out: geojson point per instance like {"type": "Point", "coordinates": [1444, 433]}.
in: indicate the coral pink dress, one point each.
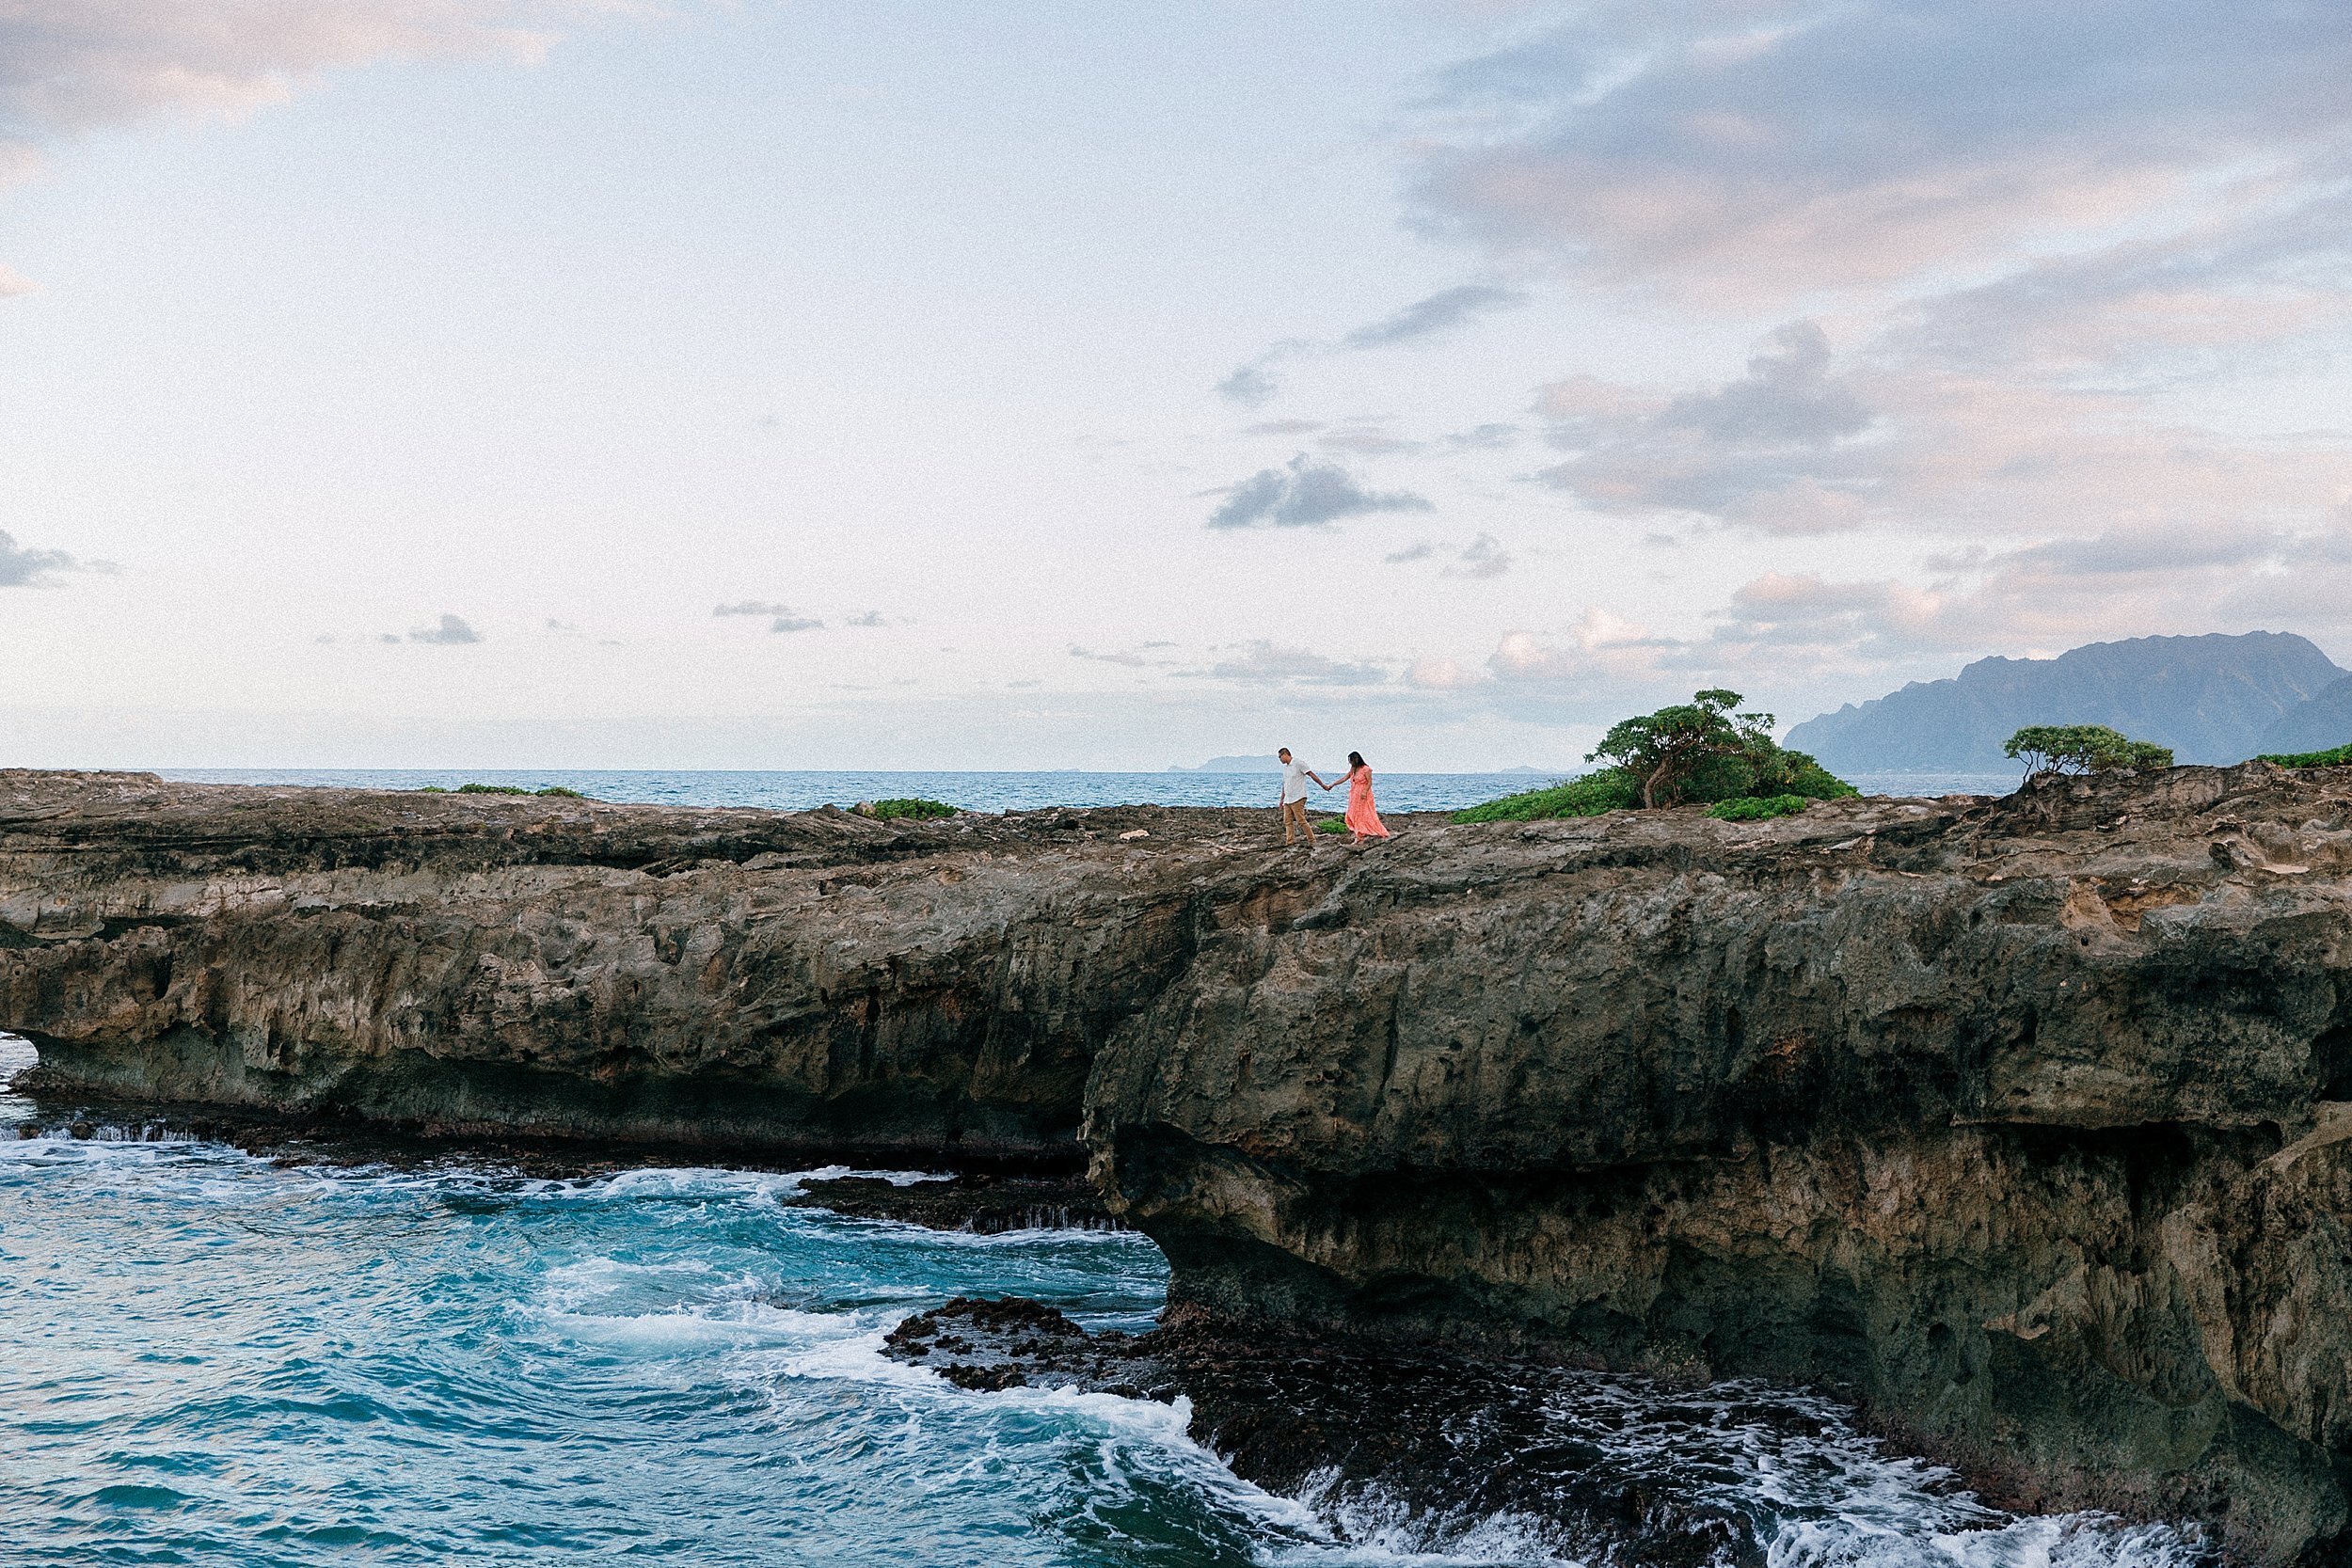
{"type": "Point", "coordinates": [1361, 819]}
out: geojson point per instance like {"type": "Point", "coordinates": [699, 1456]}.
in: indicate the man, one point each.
{"type": "Point", "coordinates": [1295, 777]}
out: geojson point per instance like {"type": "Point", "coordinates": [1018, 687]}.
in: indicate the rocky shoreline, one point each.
{"type": "Point", "coordinates": [2025, 1123]}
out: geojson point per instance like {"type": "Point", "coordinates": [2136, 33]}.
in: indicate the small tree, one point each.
{"type": "Point", "coordinates": [2082, 748]}
{"type": "Point", "coordinates": [1663, 750]}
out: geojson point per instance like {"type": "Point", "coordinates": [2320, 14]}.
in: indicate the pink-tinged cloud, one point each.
{"type": "Point", "coordinates": [1766, 151]}
{"type": "Point", "coordinates": [69, 66]}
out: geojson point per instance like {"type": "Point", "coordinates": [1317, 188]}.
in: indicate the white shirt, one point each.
{"type": "Point", "coordinates": [1294, 781]}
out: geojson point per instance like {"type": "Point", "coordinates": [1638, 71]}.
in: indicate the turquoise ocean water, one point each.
{"type": "Point", "coordinates": [212, 1358]}
{"type": "Point", "coordinates": [215, 1359]}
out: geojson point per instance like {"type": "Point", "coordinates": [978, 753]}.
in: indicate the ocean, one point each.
{"type": "Point", "coordinates": [990, 792]}
{"type": "Point", "coordinates": [218, 1359]}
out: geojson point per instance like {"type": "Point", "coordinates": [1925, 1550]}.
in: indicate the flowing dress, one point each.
{"type": "Point", "coordinates": [1361, 819]}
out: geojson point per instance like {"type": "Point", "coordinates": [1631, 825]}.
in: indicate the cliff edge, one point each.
{"type": "Point", "coordinates": [2027, 1123]}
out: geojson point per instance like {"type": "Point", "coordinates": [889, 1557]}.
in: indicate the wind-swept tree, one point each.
{"type": "Point", "coordinates": [2082, 748]}
{"type": "Point", "coordinates": [1666, 750]}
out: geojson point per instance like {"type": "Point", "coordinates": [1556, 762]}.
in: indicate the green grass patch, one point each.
{"type": "Point", "coordinates": [912, 806]}
{"type": "Point", "coordinates": [1758, 808]}
{"type": "Point", "coordinates": [1611, 789]}
{"type": "Point", "coordinates": [2339, 756]}
{"type": "Point", "coordinates": [1331, 825]}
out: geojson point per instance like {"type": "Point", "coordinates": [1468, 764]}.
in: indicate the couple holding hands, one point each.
{"type": "Point", "coordinates": [1362, 822]}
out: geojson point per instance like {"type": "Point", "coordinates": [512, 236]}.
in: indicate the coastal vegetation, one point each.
{"type": "Point", "coordinates": [912, 806]}
{"type": "Point", "coordinates": [1699, 752]}
{"type": "Point", "coordinates": [1758, 808]}
{"type": "Point", "coordinates": [2335, 756]}
{"type": "Point", "coordinates": [2081, 749]}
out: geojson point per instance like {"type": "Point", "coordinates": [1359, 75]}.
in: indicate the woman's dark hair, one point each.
{"type": "Point", "coordinates": [1354, 759]}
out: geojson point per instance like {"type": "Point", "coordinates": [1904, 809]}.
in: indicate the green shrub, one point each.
{"type": "Point", "coordinates": [1758, 808]}
{"type": "Point", "coordinates": [558, 791]}
{"type": "Point", "coordinates": [1331, 825]}
{"type": "Point", "coordinates": [2339, 756]}
{"type": "Point", "coordinates": [910, 806]}
{"type": "Point", "coordinates": [2082, 748]}
{"type": "Point", "coordinates": [1611, 789]}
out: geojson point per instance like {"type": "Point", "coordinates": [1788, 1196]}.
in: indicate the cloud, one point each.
{"type": "Point", "coordinates": [1483, 557]}
{"type": "Point", "coordinates": [450, 632]}
{"type": "Point", "coordinates": [1766, 149]}
{"type": "Point", "coordinates": [1306, 494]}
{"type": "Point", "coordinates": [1599, 646]}
{"type": "Point", "coordinates": [14, 285]}
{"type": "Point", "coordinates": [1772, 433]}
{"type": "Point", "coordinates": [1254, 384]}
{"type": "Point", "coordinates": [24, 567]}
{"type": "Point", "coordinates": [1786, 399]}
{"type": "Point", "coordinates": [1439, 675]}
{"type": "Point", "coordinates": [1283, 427]}
{"type": "Point", "coordinates": [1441, 312]}
{"type": "Point", "coordinates": [781, 616]}
{"type": "Point", "coordinates": [871, 618]}
{"type": "Point", "coordinates": [1131, 658]}
{"type": "Point", "coordinates": [1367, 438]}
{"type": "Point", "coordinates": [1263, 662]}
{"type": "Point", "coordinates": [1251, 385]}
{"type": "Point", "coordinates": [68, 66]}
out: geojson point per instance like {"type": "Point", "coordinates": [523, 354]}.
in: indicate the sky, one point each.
{"type": "Point", "coordinates": [1054, 383]}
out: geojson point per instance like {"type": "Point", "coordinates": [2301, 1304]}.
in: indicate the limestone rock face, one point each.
{"type": "Point", "coordinates": [2022, 1121]}
{"type": "Point", "coordinates": [2027, 1123]}
{"type": "Point", "coordinates": [734, 978]}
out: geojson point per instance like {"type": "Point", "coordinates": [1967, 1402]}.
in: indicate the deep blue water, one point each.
{"type": "Point", "coordinates": [1398, 792]}
{"type": "Point", "coordinates": [215, 1360]}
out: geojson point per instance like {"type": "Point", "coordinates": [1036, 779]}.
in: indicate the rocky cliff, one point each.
{"type": "Point", "coordinates": [2027, 1123]}
{"type": "Point", "coordinates": [814, 982]}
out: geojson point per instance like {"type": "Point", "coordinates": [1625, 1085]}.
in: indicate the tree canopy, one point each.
{"type": "Point", "coordinates": [2082, 748]}
{"type": "Point", "coordinates": [1699, 751]}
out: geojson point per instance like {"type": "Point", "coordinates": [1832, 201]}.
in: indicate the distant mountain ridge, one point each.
{"type": "Point", "coordinates": [2213, 699]}
{"type": "Point", "coordinates": [2320, 724]}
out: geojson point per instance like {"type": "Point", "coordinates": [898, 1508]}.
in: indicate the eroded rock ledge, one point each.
{"type": "Point", "coordinates": [2025, 1122]}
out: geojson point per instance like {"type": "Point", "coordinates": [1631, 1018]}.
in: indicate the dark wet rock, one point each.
{"type": "Point", "coordinates": [984, 1203]}
{"type": "Point", "coordinates": [1421, 1445]}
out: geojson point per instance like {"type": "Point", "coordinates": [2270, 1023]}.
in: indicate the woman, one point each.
{"type": "Point", "coordinates": [1362, 822]}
